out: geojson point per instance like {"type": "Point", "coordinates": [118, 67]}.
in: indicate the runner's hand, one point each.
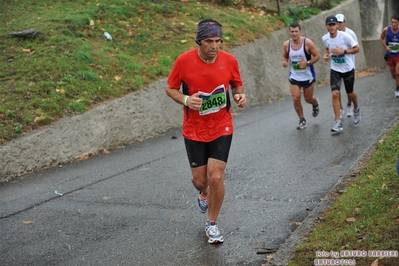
{"type": "Point", "coordinates": [327, 57]}
{"type": "Point", "coordinates": [194, 101]}
{"type": "Point", "coordinates": [240, 99]}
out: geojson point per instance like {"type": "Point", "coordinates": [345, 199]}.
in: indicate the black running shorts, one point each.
{"type": "Point", "coordinates": [199, 152]}
{"type": "Point", "coordinates": [301, 84]}
{"type": "Point", "coordinates": [336, 80]}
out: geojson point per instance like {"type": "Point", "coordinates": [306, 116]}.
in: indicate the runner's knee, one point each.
{"type": "Point", "coordinates": [199, 183]}
{"type": "Point", "coordinates": [216, 179]}
{"type": "Point", "coordinates": [309, 98]}
{"type": "Point", "coordinates": [335, 94]}
{"type": "Point", "coordinates": [296, 98]}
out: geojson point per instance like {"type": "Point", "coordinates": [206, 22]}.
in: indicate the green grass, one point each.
{"type": "Point", "coordinates": [72, 67]}
{"type": "Point", "coordinates": [366, 216]}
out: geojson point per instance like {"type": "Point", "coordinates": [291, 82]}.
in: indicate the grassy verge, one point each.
{"type": "Point", "coordinates": [72, 67]}
{"type": "Point", "coordinates": [365, 217]}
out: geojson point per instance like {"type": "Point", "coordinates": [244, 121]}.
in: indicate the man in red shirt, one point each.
{"type": "Point", "coordinates": [205, 76]}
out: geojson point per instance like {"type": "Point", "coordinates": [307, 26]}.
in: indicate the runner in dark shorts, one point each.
{"type": "Point", "coordinates": [207, 81]}
{"type": "Point", "coordinates": [299, 54]}
{"type": "Point", "coordinates": [340, 49]}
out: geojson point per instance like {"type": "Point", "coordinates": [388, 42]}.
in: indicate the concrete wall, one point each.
{"type": "Point", "coordinates": [149, 112]}
{"type": "Point", "coordinates": [376, 10]}
{"type": "Point", "coordinates": [376, 14]}
{"type": "Point", "coordinates": [392, 8]}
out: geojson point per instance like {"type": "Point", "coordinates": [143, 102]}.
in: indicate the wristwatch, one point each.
{"type": "Point", "coordinates": [345, 51]}
{"type": "Point", "coordinates": [308, 63]}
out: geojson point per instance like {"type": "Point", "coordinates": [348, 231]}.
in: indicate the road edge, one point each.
{"type": "Point", "coordinates": [285, 252]}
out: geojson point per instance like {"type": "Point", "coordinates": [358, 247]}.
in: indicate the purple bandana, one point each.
{"type": "Point", "coordinates": [209, 30]}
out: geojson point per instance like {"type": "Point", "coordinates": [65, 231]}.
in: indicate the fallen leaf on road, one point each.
{"type": "Point", "coordinates": [105, 151]}
{"type": "Point", "coordinates": [87, 156]}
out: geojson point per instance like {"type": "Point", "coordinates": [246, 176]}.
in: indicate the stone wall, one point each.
{"type": "Point", "coordinates": [374, 19]}
{"type": "Point", "coordinates": [149, 112]}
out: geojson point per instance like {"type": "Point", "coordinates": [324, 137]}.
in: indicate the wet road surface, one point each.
{"type": "Point", "coordinates": [137, 206]}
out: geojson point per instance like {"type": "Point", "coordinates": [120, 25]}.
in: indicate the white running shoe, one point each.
{"type": "Point", "coordinates": [213, 233]}
{"type": "Point", "coordinates": [337, 127]}
{"type": "Point", "coordinates": [349, 111]}
{"type": "Point", "coordinates": [396, 94]}
{"type": "Point", "coordinates": [356, 115]}
{"type": "Point", "coordinates": [301, 124]}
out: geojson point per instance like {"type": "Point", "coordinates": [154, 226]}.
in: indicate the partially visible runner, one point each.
{"type": "Point", "coordinates": [340, 48]}
{"type": "Point", "coordinates": [390, 40]}
{"type": "Point", "coordinates": [397, 167]}
{"type": "Point", "coordinates": [300, 53]}
{"type": "Point", "coordinates": [342, 27]}
{"type": "Point", "coordinates": [206, 75]}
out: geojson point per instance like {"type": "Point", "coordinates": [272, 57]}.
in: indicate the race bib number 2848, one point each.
{"type": "Point", "coordinates": [214, 101]}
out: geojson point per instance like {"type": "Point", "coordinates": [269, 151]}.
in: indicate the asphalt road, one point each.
{"type": "Point", "coordinates": [137, 206]}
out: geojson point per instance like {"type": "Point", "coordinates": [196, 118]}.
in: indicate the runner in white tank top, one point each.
{"type": "Point", "coordinates": [296, 72]}
{"type": "Point", "coordinates": [300, 54]}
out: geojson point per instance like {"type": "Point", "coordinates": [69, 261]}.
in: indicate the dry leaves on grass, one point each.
{"type": "Point", "coordinates": [29, 51]}
{"type": "Point", "coordinates": [132, 32]}
{"type": "Point", "coordinates": [38, 119]}
{"type": "Point", "coordinates": [350, 219]}
{"type": "Point", "coordinates": [375, 263]}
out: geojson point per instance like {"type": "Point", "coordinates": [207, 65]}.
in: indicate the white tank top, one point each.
{"type": "Point", "coordinates": [295, 56]}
